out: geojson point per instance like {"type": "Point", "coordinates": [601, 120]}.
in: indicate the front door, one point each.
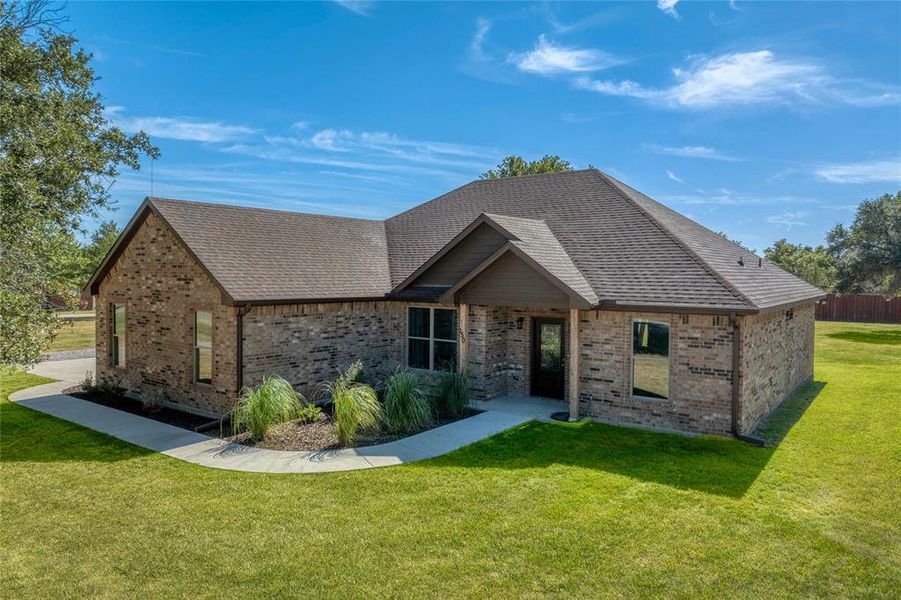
{"type": "Point", "coordinates": [547, 358]}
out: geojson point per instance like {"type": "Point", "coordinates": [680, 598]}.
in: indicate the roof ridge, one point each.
{"type": "Point", "coordinates": [688, 250]}
{"type": "Point", "coordinates": [527, 175]}
{"type": "Point", "coordinates": [155, 199]}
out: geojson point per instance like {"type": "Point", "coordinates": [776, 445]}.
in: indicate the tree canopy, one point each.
{"type": "Point", "coordinates": [815, 265]}
{"type": "Point", "coordinates": [58, 158]}
{"type": "Point", "coordinates": [868, 254]}
{"type": "Point", "coordinates": [514, 166]}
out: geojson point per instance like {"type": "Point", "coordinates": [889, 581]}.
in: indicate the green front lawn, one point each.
{"type": "Point", "coordinates": [545, 509]}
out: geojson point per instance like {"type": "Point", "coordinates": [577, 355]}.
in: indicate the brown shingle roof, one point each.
{"type": "Point", "coordinates": [268, 255]}
{"type": "Point", "coordinates": [601, 237]}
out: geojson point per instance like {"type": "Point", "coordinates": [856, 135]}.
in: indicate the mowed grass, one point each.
{"type": "Point", "coordinates": [542, 510]}
{"type": "Point", "coordinates": [73, 335]}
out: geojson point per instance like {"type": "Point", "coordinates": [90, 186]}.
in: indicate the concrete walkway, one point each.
{"type": "Point", "coordinates": [213, 452]}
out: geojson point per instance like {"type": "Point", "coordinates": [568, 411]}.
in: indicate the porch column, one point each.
{"type": "Point", "coordinates": [574, 364]}
{"type": "Point", "coordinates": [462, 337]}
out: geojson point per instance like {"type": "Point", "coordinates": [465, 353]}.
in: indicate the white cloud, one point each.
{"type": "Point", "coordinates": [548, 58]}
{"type": "Point", "coordinates": [788, 219]}
{"type": "Point", "coordinates": [669, 7]}
{"type": "Point", "coordinates": [361, 7]}
{"type": "Point", "coordinates": [749, 78]}
{"type": "Point", "coordinates": [178, 128]}
{"type": "Point", "coordinates": [477, 45]}
{"type": "Point", "coordinates": [689, 152]}
{"type": "Point", "coordinates": [673, 176]}
{"type": "Point", "coordinates": [300, 125]}
{"type": "Point", "coordinates": [878, 171]}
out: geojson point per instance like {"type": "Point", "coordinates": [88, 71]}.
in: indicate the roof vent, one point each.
{"type": "Point", "coordinates": [741, 260]}
{"type": "Point", "coordinates": [759, 262]}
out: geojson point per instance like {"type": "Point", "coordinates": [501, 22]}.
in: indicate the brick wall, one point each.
{"type": "Point", "coordinates": [500, 350]}
{"type": "Point", "coordinates": [307, 344]}
{"type": "Point", "coordinates": [161, 287]}
{"type": "Point", "coordinates": [700, 372]}
{"type": "Point", "coordinates": [776, 357]}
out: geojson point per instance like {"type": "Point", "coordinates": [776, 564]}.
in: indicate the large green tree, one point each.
{"type": "Point", "coordinates": [58, 158]}
{"type": "Point", "coordinates": [868, 254]}
{"type": "Point", "coordinates": [815, 265]}
{"type": "Point", "coordinates": [513, 166]}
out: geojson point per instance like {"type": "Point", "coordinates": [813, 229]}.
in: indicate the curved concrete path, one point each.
{"type": "Point", "coordinates": [212, 452]}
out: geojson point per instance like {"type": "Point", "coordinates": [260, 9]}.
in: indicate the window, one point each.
{"type": "Point", "coordinates": [432, 338]}
{"type": "Point", "coordinates": [203, 347]}
{"type": "Point", "coordinates": [117, 335]}
{"type": "Point", "coordinates": [650, 359]}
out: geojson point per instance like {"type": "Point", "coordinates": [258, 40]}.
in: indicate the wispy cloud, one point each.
{"type": "Point", "coordinates": [749, 78]}
{"type": "Point", "coordinates": [877, 171]}
{"type": "Point", "coordinates": [788, 219]}
{"type": "Point", "coordinates": [689, 152]}
{"type": "Point", "coordinates": [673, 176]}
{"type": "Point", "coordinates": [726, 197]}
{"type": "Point", "coordinates": [158, 48]}
{"type": "Point", "coordinates": [477, 45]}
{"type": "Point", "coordinates": [548, 58]}
{"type": "Point", "coordinates": [178, 128]}
{"type": "Point", "coordinates": [595, 19]}
{"type": "Point", "coordinates": [669, 7]}
{"type": "Point", "coordinates": [361, 7]}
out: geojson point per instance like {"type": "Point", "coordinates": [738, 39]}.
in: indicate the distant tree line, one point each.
{"type": "Point", "coordinates": [862, 258]}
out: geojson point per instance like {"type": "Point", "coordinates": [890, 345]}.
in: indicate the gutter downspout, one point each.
{"type": "Point", "coordinates": [736, 375]}
{"type": "Point", "coordinates": [239, 347]}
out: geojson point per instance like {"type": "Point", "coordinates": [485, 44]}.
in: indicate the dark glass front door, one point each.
{"type": "Point", "coordinates": [547, 358]}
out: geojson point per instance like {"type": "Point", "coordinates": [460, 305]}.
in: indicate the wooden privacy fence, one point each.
{"type": "Point", "coordinates": [859, 308]}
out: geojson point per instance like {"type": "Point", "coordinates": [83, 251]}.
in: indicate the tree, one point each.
{"type": "Point", "coordinates": [101, 241]}
{"type": "Point", "coordinates": [868, 254]}
{"type": "Point", "coordinates": [815, 265]}
{"type": "Point", "coordinates": [514, 166]}
{"type": "Point", "coordinates": [58, 158]}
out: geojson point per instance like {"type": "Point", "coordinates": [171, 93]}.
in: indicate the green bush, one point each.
{"type": "Point", "coordinates": [309, 413]}
{"type": "Point", "coordinates": [406, 407]}
{"type": "Point", "coordinates": [452, 394]}
{"type": "Point", "coordinates": [259, 408]}
{"type": "Point", "coordinates": [356, 405]}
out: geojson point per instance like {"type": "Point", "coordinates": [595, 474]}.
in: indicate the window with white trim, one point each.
{"type": "Point", "coordinates": [203, 347]}
{"type": "Point", "coordinates": [650, 359]}
{"type": "Point", "coordinates": [432, 338]}
{"type": "Point", "coordinates": [117, 335]}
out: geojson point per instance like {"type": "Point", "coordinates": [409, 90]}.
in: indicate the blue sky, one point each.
{"type": "Point", "coordinates": [764, 120]}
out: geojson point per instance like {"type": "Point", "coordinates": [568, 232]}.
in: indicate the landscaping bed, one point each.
{"type": "Point", "coordinates": [320, 434]}
{"type": "Point", "coordinates": [163, 414]}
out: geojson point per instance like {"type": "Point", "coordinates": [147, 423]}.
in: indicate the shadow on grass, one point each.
{"type": "Point", "coordinates": [708, 464]}
{"type": "Point", "coordinates": [774, 429]}
{"type": "Point", "coordinates": [30, 436]}
{"type": "Point", "coordinates": [881, 336]}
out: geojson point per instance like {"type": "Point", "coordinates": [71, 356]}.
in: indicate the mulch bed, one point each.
{"type": "Point", "coordinates": [162, 414]}
{"type": "Point", "coordinates": [321, 435]}
{"type": "Point", "coordinates": [293, 435]}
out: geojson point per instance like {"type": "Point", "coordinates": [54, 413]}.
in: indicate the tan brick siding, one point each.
{"type": "Point", "coordinates": [307, 344]}
{"type": "Point", "coordinates": [776, 358]}
{"type": "Point", "coordinates": [500, 351]}
{"type": "Point", "coordinates": [700, 385]}
{"type": "Point", "coordinates": [161, 287]}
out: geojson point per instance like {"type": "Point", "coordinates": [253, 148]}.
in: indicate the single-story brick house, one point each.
{"type": "Point", "coordinates": [571, 285]}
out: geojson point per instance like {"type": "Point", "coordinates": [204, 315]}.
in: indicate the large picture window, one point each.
{"type": "Point", "coordinates": [650, 359]}
{"type": "Point", "coordinates": [432, 338]}
{"type": "Point", "coordinates": [203, 347]}
{"type": "Point", "coordinates": [117, 335]}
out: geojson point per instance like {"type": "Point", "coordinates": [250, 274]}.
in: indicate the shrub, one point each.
{"type": "Point", "coordinates": [452, 394]}
{"type": "Point", "coordinates": [309, 413]}
{"type": "Point", "coordinates": [356, 405]}
{"type": "Point", "coordinates": [405, 406]}
{"type": "Point", "coordinates": [259, 408]}
{"type": "Point", "coordinates": [87, 384]}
